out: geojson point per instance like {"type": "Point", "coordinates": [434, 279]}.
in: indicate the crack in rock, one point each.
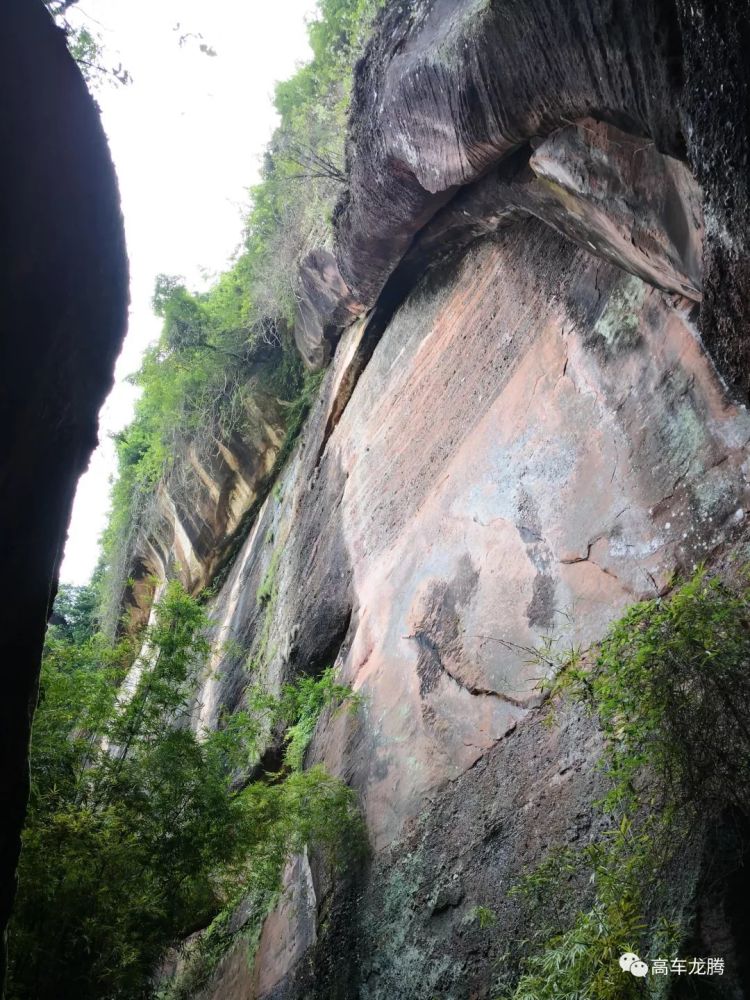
{"type": "Point", "coordinates": [431, 667]}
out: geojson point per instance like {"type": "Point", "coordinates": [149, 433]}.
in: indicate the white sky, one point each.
{"type": "Point", "coordinates": [187, 137]}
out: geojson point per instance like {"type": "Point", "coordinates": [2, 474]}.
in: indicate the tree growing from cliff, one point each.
{"type": "Point", "coordinates": [139, 832]}
{"type": "Point", "coordinates": [85, 45]}
{"type": "Point", "coordinates": [188, 326]}
{"type": "Point", "coordinates": [201, 381]}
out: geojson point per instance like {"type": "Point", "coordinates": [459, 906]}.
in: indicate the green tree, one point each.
{"type": "Point", "coordinates": [139, 832]}
{"type": "Point", "coordinates": [74, 611]}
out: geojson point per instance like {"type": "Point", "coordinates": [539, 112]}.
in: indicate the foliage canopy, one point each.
{"type": "Point", "coordinates": [141, 831]}
{"type": "Point", "coordinates": [669, 686]}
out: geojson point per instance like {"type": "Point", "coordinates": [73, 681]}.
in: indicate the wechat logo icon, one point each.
{"type": "Point", "coordinates": [629, 962]}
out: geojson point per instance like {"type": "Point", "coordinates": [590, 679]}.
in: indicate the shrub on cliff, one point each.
{"type": "Point", "coordinates": [139, 831]}
{"type": "Point", "coordinates": [196, 381]}
{"type": "Point", "coordinates": [670, 688]}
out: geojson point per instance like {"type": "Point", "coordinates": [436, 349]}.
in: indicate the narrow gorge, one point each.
{"type": "Point", "coordinates": [509, 404]}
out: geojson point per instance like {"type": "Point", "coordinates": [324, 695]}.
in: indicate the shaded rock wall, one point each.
{"type": "Point", "coordinates": [196, 511]}
{"type": "Point", "coordinates": [63, 302]}
{"type": "Point", "coordinates": [324, 307]}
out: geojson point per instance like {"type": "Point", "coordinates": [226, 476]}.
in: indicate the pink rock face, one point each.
{"type": "Point", "coordinates": [537, 441]}
{"type": "Point", "coordinates": [617, 196]}
{"type": "Point", "coordinates": [484, 513]}
{"type": "Point", "coordinates": [288, 932]}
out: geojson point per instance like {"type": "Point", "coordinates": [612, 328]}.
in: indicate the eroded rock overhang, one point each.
{"type": "Point", "coordinates": [448, 93]}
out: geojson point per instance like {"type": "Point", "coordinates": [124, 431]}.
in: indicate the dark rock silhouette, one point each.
{"type": "Point", "coordinates": [63, 307]}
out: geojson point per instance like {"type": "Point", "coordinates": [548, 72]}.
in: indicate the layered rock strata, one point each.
{"type": "Point", "coordinates": [191, 521]}
{"type": "Point", "coordinates": [447, 91]}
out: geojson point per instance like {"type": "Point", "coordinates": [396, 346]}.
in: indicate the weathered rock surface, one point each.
{"type": "Point", "coordinates": [196, 512]}
{"type": "Point", "coordinates": [548, 217]}
{"type": "Point", "coordinates": [537, 440]}
{"type": "Point", "coordinates": [447, 90]}
{"type": "Point", "coordinates": [63, 301]}
{"type": "Point", "coordinates": [325, 306]}
{"type": "Point", "coordinates": [617, 196]}
{"type": "Point", "coordinates": [613, 194]}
